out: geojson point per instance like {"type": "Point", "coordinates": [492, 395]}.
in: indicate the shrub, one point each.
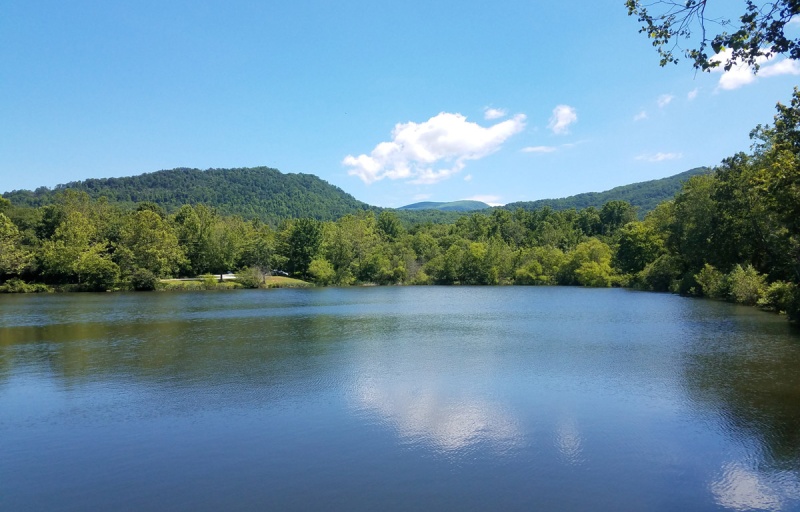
{"type": "Point", "coordinates": [19, 286]}
{"type": "Point", "coordinates": [209, 282]}
{"type": "Point", "coordinates": [660, 275]}
{"type": "Point", "coordinates": [251, 277]}
{"type": "Point", "coordinates": [321, 271]}
{"type": "Point", "coordinates": [594, 274]}
{"type": "Point", "coordinates": [713, 283]}
{"type": "Point", "coordinates": [777, 296]}
{"type": "Point", "coordinates": [142, 280]}
{"type": "Point", "coordinates": [746, 285]}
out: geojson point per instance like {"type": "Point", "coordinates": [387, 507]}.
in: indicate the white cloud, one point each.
{"type": "Point", "coordinates": [435, 150]}
{"type": "Point", "coordinates": [494, 113]}
{"type": "Point", "coordinates": [784, 67]}
{"type": "Point", "coordinates": [563, 116]}
{"type": "Point", "coordinates": [692, 94]}
{"type": "Point", "coordinates": [641, 115]}
{"type": "Point", "coordinates": [659, 157]}
{"type": "Point", "coordinates": [468, 177]}
{"type": "Point", "coordinates": [539, 149]}
{"type": "Point", "coordinates": [664, 100]}
{"type": "Point", "coordinates": [488, 199]}
{"type": "Point", "coordinates": [741, 74]}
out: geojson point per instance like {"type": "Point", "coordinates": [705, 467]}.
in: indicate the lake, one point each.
{"type": "Point", "coordinates": [396, 398]}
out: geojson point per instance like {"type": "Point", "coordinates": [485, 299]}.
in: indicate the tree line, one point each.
{"type": "Point", "coordinates": [732, 234]}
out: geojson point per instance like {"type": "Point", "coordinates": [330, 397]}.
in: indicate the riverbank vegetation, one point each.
{"type": "Point", "coordinates": [732, 234]}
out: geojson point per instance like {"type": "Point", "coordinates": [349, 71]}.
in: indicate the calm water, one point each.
{"type": "Point", "coordinates": [419, 398]}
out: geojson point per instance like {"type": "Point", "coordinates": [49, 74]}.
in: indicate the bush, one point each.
{"type": "Point", "coordinates": [19, 286]}
{"type": "Point", "coordinates": [209, 282]}
{"type": "Point", "coordinates": [660, 275]}
{"type": "Point", "coordinates": [746, 285]}
{"type": "Point", "coordinates": [321, 271]}
{"type": "Point", "coordinates": [251, 277]}
{"type": "Point", "coordinates": [97, 273]}
{"type": "Point", "coordinates": [713, 283]}
{"type": "Point", "coordinates": [777, 297]}
{"type": "Point", "coordinates": [594, 274]}
{"type": "Point", "coordinates": [142, 280]}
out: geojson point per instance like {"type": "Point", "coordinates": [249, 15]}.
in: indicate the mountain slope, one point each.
{"type": "Point", "coordinates": [259, 192]}
{"type": "Point", "coordinates": [452, 206]}
{"type": "Point", "coordinates": [644, 195]}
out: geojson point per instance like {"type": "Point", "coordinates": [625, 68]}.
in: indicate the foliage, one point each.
{"type": "Point", "coordinates": [17, 285]}
{"type": "Point", "coordinates": [713, 283]}
{"type": "Point", "coordinates": [644, 196]}
{"type": "Point", "coordinates": [260, 192]}
{"type": "Point", "coordinates": [143, 280]}
{"type": "Point", "coordinates": [761, 31]}
{"type": "Point", "coordinates": [778, 296]}
{"type": "Point", "coordinates": [321, 271]}
{"type": "Point", "coordinates": [251, 277]}
{"type": "Point", "coordinates": [303, 239]}
{"type": "Point", "coordinates": [746, 285]}
{"type": "Point", "coordinates": [96, 272]}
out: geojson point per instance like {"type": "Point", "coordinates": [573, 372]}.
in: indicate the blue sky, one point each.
{"type": "Point", "coordinates": [393, 102]}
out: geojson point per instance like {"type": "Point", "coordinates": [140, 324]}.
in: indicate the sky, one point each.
{"type": "Point", "coordinates": [393, 102]}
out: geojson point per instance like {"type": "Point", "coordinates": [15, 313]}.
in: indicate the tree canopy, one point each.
{"type": "Point", "coordinates": [759, 32]}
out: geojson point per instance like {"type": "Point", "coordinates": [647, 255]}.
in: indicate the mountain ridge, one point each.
{"type": "Point", "coordinates": [270, 195]}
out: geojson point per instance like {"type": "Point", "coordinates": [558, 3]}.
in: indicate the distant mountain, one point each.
{"type": "Point", "coordinates": [452, 206]}
{"type": "Point", "coordinates": [269, 195]}
{"type": "Point", "coordinates": [644, 195]}
{"type": "Point", "coordinates": [259, 192]}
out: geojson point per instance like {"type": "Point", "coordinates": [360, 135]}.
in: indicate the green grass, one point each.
{"type": "Point", "coordinates": [213, 283]}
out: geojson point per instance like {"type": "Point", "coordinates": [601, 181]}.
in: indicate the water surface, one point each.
{"type": "Point", "coordinates": [423, 398]}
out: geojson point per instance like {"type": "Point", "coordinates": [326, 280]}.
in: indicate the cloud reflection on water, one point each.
{"type": "Point", "coordinates": [444, 419]}
{"type": "Point", "coordinates": [741, 488]}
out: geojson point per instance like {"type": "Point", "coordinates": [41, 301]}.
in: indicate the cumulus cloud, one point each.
{"type": "Point", "coordinates": [741, 74]}
{"type": "Point", "coordinates": [432, 151]}
{"type": "Point", "coordinates": [494, 113]}
{"type": "Point", "coordinates": [664, 100]}
{"type": "Point", "coordinates": [563, 116]}
{"type": "Point", "coordinates": [692, 94]}
{"type": "Point", "coordinates": [468, 177]}
{"type": "Point", "coordinates": [539, 149]}
{"type": "Point", "coordinates": [641, 115]}
{"type": "Point", "coordinates": [659, 157]}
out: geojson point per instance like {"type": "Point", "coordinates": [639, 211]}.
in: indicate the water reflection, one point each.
{"type": "Point", "coordinates": [569, 441]}
{"type": "Point", "coordinates": [445, 421]}
{"type": "Point", "coordinates": [743, 368]}
{"type": "Point", "coordinates": [740, 488]}
{"type": "Point", "coordinates": [528, 398]}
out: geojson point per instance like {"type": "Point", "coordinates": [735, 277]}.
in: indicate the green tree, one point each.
{"type": "Point", "coordinates": [148, 242]}
{"type": "Point", "coordinates": [321, 271]}
{"type": "Point", "coordinates": [194, 227]}
{"type": "Point", "coordinates": [638, 245]}
{"type": "Point", "coordinates": [588, 265]}
{"type": "Point", "coordinates": [761, 31]}
{"type": "Point", "coordinates": [303, 245]}
{"type": "Point", "coordinates": [58, 256]}
{"type": "Point", "coordinates": [615, 214]}
{"type": "Point", "coordinates": [96, 272]}
{"type": "Point", "coordinates": [13, 258]}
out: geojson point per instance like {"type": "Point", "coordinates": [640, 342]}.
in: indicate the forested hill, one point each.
{"type": "Point", "coordinates": [258, 192]}
{"type": "Point", "coordinates": [644, 195]}
{"type": "Point", "coordinates": [452, 206]}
